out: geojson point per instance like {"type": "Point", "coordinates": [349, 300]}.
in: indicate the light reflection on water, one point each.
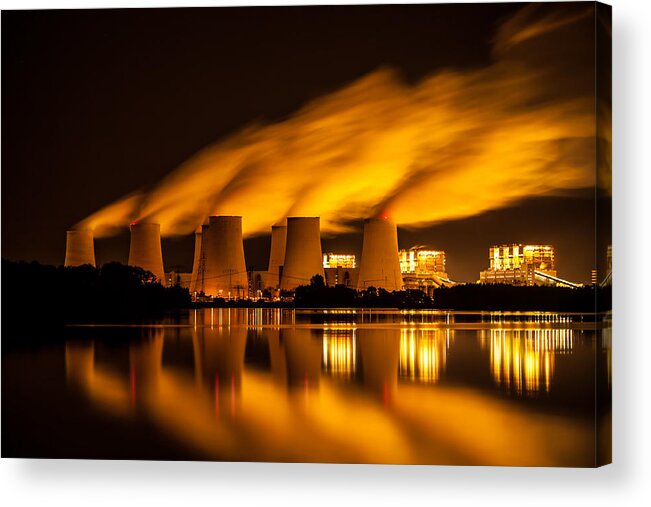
{"type": "Point", "coordinates": [523, 359]}
{"type": "Point", "coordinates": [354, 386]}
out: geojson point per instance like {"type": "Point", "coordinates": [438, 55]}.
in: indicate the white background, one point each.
{"type": "Point", "coordinates": [626, 482]}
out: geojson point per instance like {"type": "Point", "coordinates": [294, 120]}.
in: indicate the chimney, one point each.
{"type": "Point", "coordinates": [277, 254]}
{"type": "Point", "coordinates": [145, 249]}
{"type": "Point", "coordinates": [380, 266]}
{"type": "Point", "coordinates": [79, 248]}
{"type": "Point", "coordinates": [303, 256]}
{"type": "Point", "coordinates": [223, 251]}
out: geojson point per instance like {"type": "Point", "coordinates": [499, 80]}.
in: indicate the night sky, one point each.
{"type": "Point", "coordinates": [101, 103]}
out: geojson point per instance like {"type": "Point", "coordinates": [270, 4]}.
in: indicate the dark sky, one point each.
{"type": "Point", "coordinates": [99, 103]}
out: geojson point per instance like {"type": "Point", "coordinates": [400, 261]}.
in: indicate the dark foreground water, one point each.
{"type": "Point", "coordinates": [345, 386]}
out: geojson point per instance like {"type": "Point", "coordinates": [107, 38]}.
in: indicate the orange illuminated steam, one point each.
{"type": "Point", "coordinates": [453, 145]}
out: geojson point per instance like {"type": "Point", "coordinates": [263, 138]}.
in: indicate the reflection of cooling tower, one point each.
{"type": "Point", "coordinates": [277, 254]}
{"type": "Point", "coordinates": [380, 266]}
{"type": "Point", "coordinates": [145, 250]}
{"type": "Point", "coordinates": [303, 257]}
{"type": "Point", "coordinates": [195, 280]}
{"type": "Point", "coordinates": [379, 351]}
{"type": "Point", "coordinates": [303, 357]}
{"type": "Point", "coordinates": [79, 248]}
{"type": "Point", "coordinates": [225, 267]}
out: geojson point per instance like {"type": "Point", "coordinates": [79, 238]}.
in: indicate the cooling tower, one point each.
{"type": "Point", "coordinates": [224, 265]}
{"type": "Point", "coordinates": [145, 250]}
{"type": "Point", "coordinates": [303, 257]}
{"type": "Point", "coordinates": [277, 254]}
{"type": "Point", "coordinates": [380, 266]}
{"type": "Point", "coordinates": [79, 248]}
{"type": "Point", "coordinates": [197, 269]}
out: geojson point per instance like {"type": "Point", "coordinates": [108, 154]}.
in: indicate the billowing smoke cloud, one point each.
{"type": "Point", "coordinates": [455, 144]}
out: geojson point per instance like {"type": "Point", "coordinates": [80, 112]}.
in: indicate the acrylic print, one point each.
{"type": "Point", "coordinates": [351, 234]}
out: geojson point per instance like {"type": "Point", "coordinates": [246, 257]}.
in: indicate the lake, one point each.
{"type": "Point", "coordinates": [336, 386]}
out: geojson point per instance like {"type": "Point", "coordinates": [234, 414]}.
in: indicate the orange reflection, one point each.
{"type": "Point", "coordinates": [423, 353]}
{"type": "Point", "coordinates": [339, 351]}
{"type": "Point", "coordinates": [523, 359]}
{"type": "Point", "coordinates": [221, 408]}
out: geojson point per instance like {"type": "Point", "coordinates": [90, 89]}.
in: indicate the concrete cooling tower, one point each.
{"type": "Point", "coordinates": [145, 250]}
{"type": "Point", "coordinates": [380, 266]}
{"type": "Point", "coordinates": [277, 254]}
{"type": "Point", "coordinates": [197, 268]}
{"type": "Point", "coordinates": [79, 248]}
{"type": "Point", "coordinates": [224, 265]}
{"type": "Point", "coordinates": [303, 256]}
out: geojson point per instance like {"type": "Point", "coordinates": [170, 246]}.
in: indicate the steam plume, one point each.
{"type": "Point", "coordinates": [455, 144]}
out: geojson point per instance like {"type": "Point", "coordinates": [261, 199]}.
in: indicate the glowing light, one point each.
{"type": "Point", "coordinates": [524, 360]}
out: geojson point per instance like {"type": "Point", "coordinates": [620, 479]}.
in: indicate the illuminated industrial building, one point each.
{"type": "Point", "coordinates": [519, 264]}
{"type": "Point", "coordinates": [423, 269]}
{"type": "Point", "coordinates": [423, 262]}
{"type": "Point", "coordinates": [340, 269]}
{"type": "Point", "coordinates": [334, 260]}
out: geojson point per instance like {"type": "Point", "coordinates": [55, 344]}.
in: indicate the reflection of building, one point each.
{"type": "Point", "coordinates": [516, 264]}
{"type": "Point", "coordinates": [339, 352]}
{"type": "Point", "coordinates": [524, 360]}
{"type": "Point", "coordinates": [423, 353]}
{"type": "Point", "coordinates": [423, 269]}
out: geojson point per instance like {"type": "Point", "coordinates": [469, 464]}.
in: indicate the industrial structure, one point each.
{"type": "Point", "coordinates": [198, 264]}
{"type": "Point", "coordinates": [80, 248]}
{"type": "Point", "coordinates": [336, 260]}
{"type": "Point", "coordinates": [340, 269]}
{"type": "Point", "coordinates": [520, 264]}
{"type": "Point", "coordinates": [303, 256]}
{"type": "Point", "coordinates": [276, 255]}
{"type": "Point", "coordinates": [145, 248]}
{"type": "Point", "coordinates": [380, 265]}
{"type": "Point", "coordinates": [423, 269]}
{"type": "Point", "coordinates": [222, 255]}
{"type": "Point", "coordinates": [219, 267]}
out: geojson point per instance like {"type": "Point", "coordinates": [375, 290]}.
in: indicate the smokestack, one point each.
{"type": "Point", "coordinates": [380, 266]}
{"type": "Point", "coordinates": [277, 254]}
{"type": "Point", "coordinates": [145, 250]}
{"type": "Point", "coordinates": [225, 268]}
{"type": "Point", "coordinates": [303, 256]}
{"type": "Point", "coordinates": [79, 248]}
{"type": "Point", "coordinates": [197, 268]}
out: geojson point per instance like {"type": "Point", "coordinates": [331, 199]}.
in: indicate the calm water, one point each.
{"type": "Point", "coordinates": [329, 386]}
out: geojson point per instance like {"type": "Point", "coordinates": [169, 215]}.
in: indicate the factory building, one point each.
{"type": "Point", "coordinates": [340, 269]}
{"type": "Point", "coordinates": [519, 264]}
{"type": "Point", "coordinates": [423, 269]}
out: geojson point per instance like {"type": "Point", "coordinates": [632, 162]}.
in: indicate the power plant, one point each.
{"type": "Point", "coordinates": [380, 265]}
{"type": "Point", "coordinates": [303, 256]}
{"type": "Point", "coordinates": [224, 271]}
{"type": "Point", "coordinates": [80, 248]}
{"type": "Point", "coordinates": [145, 249]}
{"type": "Point", "coordinates": [219, 268]}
